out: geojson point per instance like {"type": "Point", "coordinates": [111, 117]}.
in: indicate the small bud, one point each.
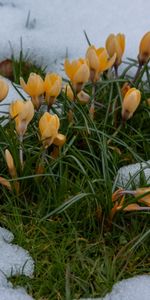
{"type": "Point", "coordinates": [144, 49]}
{"type": "Point", "coordinates": [130, 103]}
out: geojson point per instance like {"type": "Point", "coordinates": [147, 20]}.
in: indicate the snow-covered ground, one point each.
{"type": "Point", "coordinates": [50, 29]}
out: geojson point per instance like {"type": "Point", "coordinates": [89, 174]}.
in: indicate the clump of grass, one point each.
{"type": "Point", "coordinates": [61, 211]}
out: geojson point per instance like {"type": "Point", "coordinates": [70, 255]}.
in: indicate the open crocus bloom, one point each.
{"type": "Point", "coordinates": [130, 103]}
{"type": "Point", "coordinates": [52, 87]}
{"type": "Point", "coordinates": [78, 72]}
{"type": "Point", "coordinates": [144, 49]}
{"type": "Point", "coordinates": [116, 44]}
{"type": "Point", "coordinates": [4, 88]}
{"type": "Point", "coordinates": [22, 112]}
{"type": "Point", "coordinates": [34, 87]}
{"type": "Point", "coordinates": [98, 61]}
{"type": "Point", "coordinates": [48, 126]}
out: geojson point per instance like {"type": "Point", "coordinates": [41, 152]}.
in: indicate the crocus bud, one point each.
{"type": "Point", "coordinates": [78, 72]}
{"type": "Point", "coordinates": [98, 61]}
{"type": "Point", "coordinates": [116, 44]}
{"type": "Point", "coordinates": [22, 112]}
{"type": "Point", "coordinates": [68, 91]}
{"type": "Point", "coordinates": [48, 126]}
{"type": "Point", "coordinates": [4, 88]}
{"type": "Point", "coordinates": [10, 163]}
{"type": "Point", "coordinates": [83, 97]}
{"type": "Point", "coordinates": [130, 103]}
{"type": "Point", "coordinates": [144, 49]}
{"type": "Point", "coordinates": [52, 87]}
{"type": "Point", "coordinates": [34, 87]}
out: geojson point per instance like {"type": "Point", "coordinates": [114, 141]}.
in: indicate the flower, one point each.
{"type": "Point", "coordinates": [130, 103]}
{"type": "Point", "coordinates": [116, 44]}
{"type": "Point", "coordinates": [48, 126]}
{"type": "Point", "coordinates": [4, 88]}
{"type": "Point", "coordinates": [83, 97]}
{"type": "Point", "coordinates": [22, 112]}
{"type": "Point", "coordinates": [98, 61]}
{"type": "Point", "coordinates": [144, 49]}
{"type": "Point", "coordinates": [143, 195]}
{"type": "Point", "coordinates": [68, 92]}
{"type": "Point", "coordinates": [34, 87]}
{"type": "Point", "coordinates": [52, 87]}
{"type": "Point", "coordinates": [10, 163]}
{"type": "Point", "coordinates": [78, 72]}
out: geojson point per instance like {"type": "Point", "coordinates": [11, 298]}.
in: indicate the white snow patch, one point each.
{"type": "Point", "coordinates": [131, 175]}
{"type": "Point", "coordinates": [14, 260]}
{"type": "Point", "coordinates": [136, 288]}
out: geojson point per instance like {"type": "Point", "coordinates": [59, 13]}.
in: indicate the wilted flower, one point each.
{"type": "Point", "coordinates": [48, 126]}
{"type": "Point", "coordinates": [52, 87]}
{"type": "Point", "coordinates": [98, 61]}
{"type": "Point", "coordinates": [125, 88]}
{"type": "Point", "coordinates": [116, 44]}
{"type": "Point", "coordinates": [83, 97]}
{"type": "Point", "coordinates": [130, 103]}
{"type": "Point", "coordinates": [144, 49]}
{"type": "Point", "coordinates": [34, 87]}
{"type": "Point", "coordinates": [4, 88]}
{"type": "Point", "coordinates": [22, 112]}
{"type": "Point", "coordinates": [78, 72]}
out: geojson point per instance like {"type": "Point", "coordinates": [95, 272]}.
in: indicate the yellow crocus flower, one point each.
{"type": "Point", "coordinates": [4, 88]}
{"type": "Point", "coordinates": [48, 126]}
{"type": "Point", "coordinates": [10, 163]}
{"type": "Point", "coordinates": [116, 44]}
{"type": "Point", "coordinates": [144, 49]}
{"type": "Point", "coordinates": [22, 112]}
{"type": "Point", "coordinates": [78, 72]}
{"type": "Point", "coordinates": [34, 87]}
{"type": "Point", "coordinates": [98, 61]}
{"type": "Point", "coordinates": [52, 87]}
{"type": "Point", "coordinates": [130, 103]}
{"type": "Point", "coordinates": [68, 92]}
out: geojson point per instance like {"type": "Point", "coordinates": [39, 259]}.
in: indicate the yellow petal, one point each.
{"type": "Point", "coordinates": [130, 103]}
{"type": "Point", "coordinates": [59, 140]}
{"type": "Point", "coordinates": [4, 88]}
{"type": "Point", "coordinates": [144, 49]}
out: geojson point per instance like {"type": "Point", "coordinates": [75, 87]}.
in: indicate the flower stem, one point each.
{"type": "Point", "coordinates": [21, 150]}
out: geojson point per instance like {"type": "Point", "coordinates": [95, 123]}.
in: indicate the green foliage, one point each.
{"type": "Point", "coordinates": [61, 215]}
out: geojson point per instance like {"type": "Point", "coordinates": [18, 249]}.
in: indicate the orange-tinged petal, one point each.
{"type": "Point", "coordinates": [82, 75]}
{"type": "Point", "coordinates": [132, 207]}
{"type": "Point", "coordinates": [130, 103]}
{"type": "Point", "coordinates": [5, 183]}
{"type": "Point", "coordinates": [59, 140]}
{"type": "Point", "coordinates": [117, 194]}
{"type": "Point", "coordinates": [144, 49]}
{"type": "Point", "coordinates": [115, 44]}
{"type": "Point", "coordinates": [34, 86]}
{"type": "Point", "coordinates": [52, 84]}
{"type": "Point", "coordinates": [48, 126]}
{"type": "Point", "coordinates": [68, 91]}
{"type": "Point", "coordinates": [4, 88]}
{"type": "Point", "coordinates": [22, 112]}
{"type": "Point", "coordinates": [144, 194]}
{"type": "Point", "coordinates": [92, 57]}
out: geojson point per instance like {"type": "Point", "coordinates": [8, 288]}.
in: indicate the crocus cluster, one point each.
{"type": "Point", "coordinates": [40, 90]}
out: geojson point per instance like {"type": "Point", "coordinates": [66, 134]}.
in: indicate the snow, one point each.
{"type": "Point", "coordinates": [130, 175]}
{"type": "Point", "coordinates": [14, 261]}
{"type": "Point", "coordinates": [50, 28]}
{"type": "Point", "coordinates": [137, 288]}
